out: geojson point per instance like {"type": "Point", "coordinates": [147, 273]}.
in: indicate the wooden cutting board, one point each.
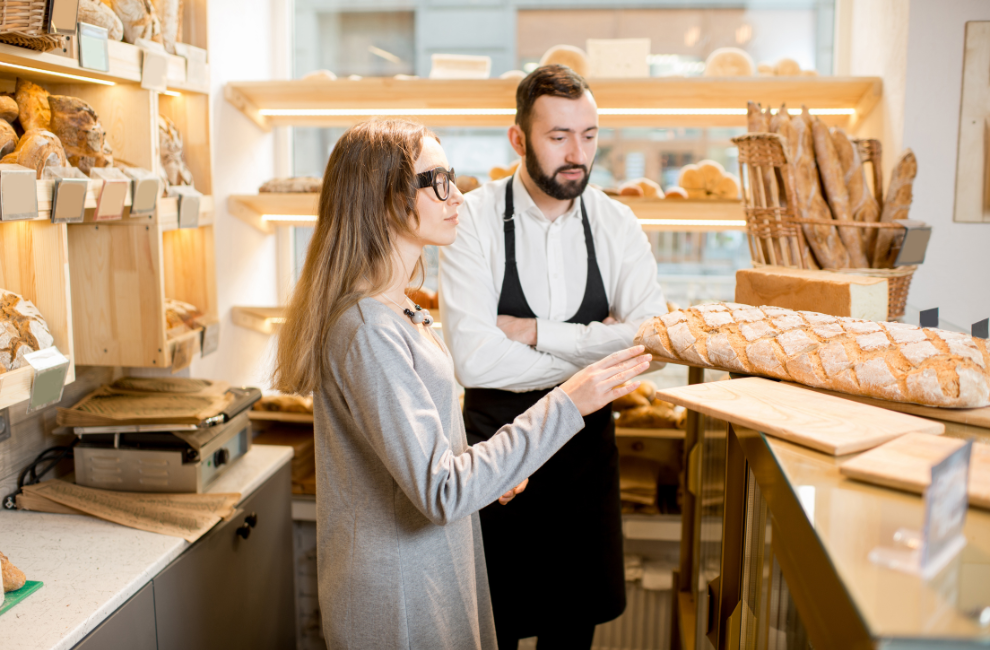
{"type": "Point", "coordinates": [978, 417]}
{"type": "Point", "coordinates": [906, 464]}
{"type": "Point", "coordinates": [831, 424]}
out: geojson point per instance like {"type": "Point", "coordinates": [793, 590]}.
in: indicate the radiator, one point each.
{"type": "Point", "coordinates": [645, 625]}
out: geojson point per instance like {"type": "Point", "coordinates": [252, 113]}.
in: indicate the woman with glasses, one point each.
{"type": "Point", "coordinates": [400, 556]}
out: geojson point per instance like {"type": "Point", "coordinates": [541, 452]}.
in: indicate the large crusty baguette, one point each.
{"type": "Point", "coordinates": [808, 202]}
{"type": "Point", "coordinates": [892, 361]}
{"type": "Point", "coordinates": [895, 206]}
{"type": "Point", "coordinates": [834, 181]}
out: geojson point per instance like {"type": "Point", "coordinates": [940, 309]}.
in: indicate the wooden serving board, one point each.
{"type": "Point", "coordinates": [281, 416]}
{"type": "Point", "coordinates": [906, 464]}
{"type": "Point", "coordinates": [830, 424]}
{"type": "Point", "coordinates": [978, 417]}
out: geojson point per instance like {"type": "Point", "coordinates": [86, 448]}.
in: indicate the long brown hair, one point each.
{"type": "Point", "coordinates": [367, 197]}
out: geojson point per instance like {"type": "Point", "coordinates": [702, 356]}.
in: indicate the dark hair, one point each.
{"type": "Point", "coordinates": [555, 80]}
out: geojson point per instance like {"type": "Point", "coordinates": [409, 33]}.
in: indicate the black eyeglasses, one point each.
{"type": "Point", "coordinates": [439, 179]}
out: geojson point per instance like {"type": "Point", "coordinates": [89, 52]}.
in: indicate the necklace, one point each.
{"type": "Point", "coordinates": [419, 316]}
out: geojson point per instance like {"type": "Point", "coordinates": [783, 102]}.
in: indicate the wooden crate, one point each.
{"type": "Point", "coordinates": [33, 263]}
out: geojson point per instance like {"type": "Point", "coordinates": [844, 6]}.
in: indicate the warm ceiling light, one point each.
{"type": "Point", "coordinates": [289, 217]}
{"type": "Point", "coordinates": [433, 112]}
{"type": "Point", "coordinates": [58, 74]}
{"type": "Point", "coordinates": [172, 93]}
{"type": "Point", "coordinates": [712, 223]}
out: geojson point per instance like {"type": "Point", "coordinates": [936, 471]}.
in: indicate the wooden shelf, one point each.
{"type": "Point", "coordinates": [266, 320]}
{"type": "Point", "coordinates": [125, 67]}
{"type": "Point", "coordinates": [460, 101]}
{"type": "Point", "coordinates": [682, 215]}
{"type": "Point", "coordinates": [34, 264]}
{"type": "Point", "coordinates": [636, 432]}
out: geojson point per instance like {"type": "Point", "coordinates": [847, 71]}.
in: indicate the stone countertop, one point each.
{"type": "Point", "coordinates": [91, 567]}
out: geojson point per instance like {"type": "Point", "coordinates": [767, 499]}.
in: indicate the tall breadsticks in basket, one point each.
{"type": "Point", "coordinates": [892, 361]}
{"type": "Point", "coordinates": [834, 181]}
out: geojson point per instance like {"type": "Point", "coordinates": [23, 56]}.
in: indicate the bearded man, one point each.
{"type": "Point", "coordinates": [545, 277]}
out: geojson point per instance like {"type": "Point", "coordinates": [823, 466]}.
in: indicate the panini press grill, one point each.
{"type": "Point", "coordinates": [165, 457]}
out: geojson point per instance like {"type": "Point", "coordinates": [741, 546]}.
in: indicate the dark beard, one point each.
{"type": "Point", "coordinates": [549, 184]}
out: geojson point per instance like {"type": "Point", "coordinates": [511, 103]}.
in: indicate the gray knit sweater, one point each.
{"type": "Point", "coordinates": [400, 556]}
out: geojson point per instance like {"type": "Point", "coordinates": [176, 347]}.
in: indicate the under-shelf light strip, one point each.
{"type": "Point", "coordinates": [435, 112]}
{"type": "Point", "coordinates": [705, 223]}
{"type": "Point", "coordinates": [58, 74]}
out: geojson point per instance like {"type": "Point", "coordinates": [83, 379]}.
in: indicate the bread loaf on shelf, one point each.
{"type": "Point", "coordinates": [180, 318]}
{"type": "Point", "coordinates": [37, 149]}
{"type": "Point", "coordinates": [896, 204]}
{"type": "Point", "coordinates": [78, 127]}
{"type": "Point", "coordinates": [296, 184]}
{"type": "Point", "coordinates": [139, 20]}
{"type": "Point", "coordinates": [892, 361]}
{"type": "Point", "coordinates": [8, 138]}
{"type": "Point", "coordinates": [708, 180]}
{"type": "Point", "coordinates": [96, 13]}
{"type": "Point", "coordinates": [32, 106]}
{"type": "Point", "coordinates": [174, 168]}
{"type": "Point", "coordinates": [729, 62]}
{"type": "Point", "coordinates": [834, 181]}
{"type": "Point", "coordinates": [22, 330]}
{"type": "Point", "coordinates": [170, 16]}
{"type": "Point", "coordinates": [835, 294]}
{"type": "Point", "coordinates": [285, 404]}
{"type": "Point", "coordinates": [8, 109]}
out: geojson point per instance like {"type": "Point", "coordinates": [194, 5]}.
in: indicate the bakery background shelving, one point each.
{"type": "Point", "coordinates": [122, 270]}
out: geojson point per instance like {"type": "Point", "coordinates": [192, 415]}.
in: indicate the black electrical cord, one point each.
{"type": "Point", "coordinates": [31, 475]}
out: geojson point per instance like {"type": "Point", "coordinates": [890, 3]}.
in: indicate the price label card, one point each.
{"type": "Point", "coordinates": [50, 369]}
{"type": "Point", "coordinates": [18, 193]}
{"type": "Point", "coordinates": [211, 338]}
{"type": "Point", "coordinates": [196, 69]}
{"type": "Point", "coordinates": [110, 203]}
{"type": "Point", "coordinates": [154, 71]}
{"type": "Point", "coordinates": [69, 200]}
{"type": "Point", "coordinates": [144, 195]}
{"type": "Point", "coordinates": [94, 49]}
{"type": "Point", "coordinates": [183, 355]}
{"type": "Point", "coordinates": [189, 202]}
{"type": "Point", "coordinates": [946, 504]}
{"type": "Point", "coordinates": [61, 17]}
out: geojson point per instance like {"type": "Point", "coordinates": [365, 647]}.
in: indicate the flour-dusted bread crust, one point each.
{"type": "Point", "coordinates": [32, 105]}
{"type": "Point", "coordinates": [896, 204]}
{"type": "Point", "coordinates": [862, 204]}
{"type": "Point", "coordinates": [96, 13]}
{"type": "Point", "coordinates": [892, 361]}
{"type": "Point", "coordinates": [174, 169]}
{"type": "Point", "coordinates": [8, 138]}
{"type": "Point", "coordinates": [293, 185]}
{"type": "Point", "coordinates": [139, 20]}
{"type": "Point", "coordinates": [22, 330]}
{"type": "Point", "coordinates": [8, 109]}
{"type": "Point", "coordinates": [37, 149]}
{"type": "Point", "coordinates": [170, 16]}
{"type": "Point", "coordinates": [78, 127]}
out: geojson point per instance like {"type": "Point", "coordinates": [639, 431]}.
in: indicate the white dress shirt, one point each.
{"type": "Point", "coordinates": [553, 268]}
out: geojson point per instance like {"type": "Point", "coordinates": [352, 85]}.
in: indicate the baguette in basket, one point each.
{"type": "Point", "coordinates": [892, 361]}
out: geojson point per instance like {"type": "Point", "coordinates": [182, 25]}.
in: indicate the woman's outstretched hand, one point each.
{"type": "Point", "coordinates": [602, 382]}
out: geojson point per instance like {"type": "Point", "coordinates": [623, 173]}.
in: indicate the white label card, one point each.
{"type": "Point", "coordinates": [946, 504]}
{"type": "Point", "coordinates": [50, 369]}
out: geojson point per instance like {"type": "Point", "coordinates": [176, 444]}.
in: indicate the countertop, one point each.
{"type": "Point", "coordinates": [90, 567]}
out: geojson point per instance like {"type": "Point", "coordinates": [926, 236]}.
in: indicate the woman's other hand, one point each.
{"type": "Point", "coordinates": [602, 382]}
{"type": "Point", "coordinates": [511, 494]}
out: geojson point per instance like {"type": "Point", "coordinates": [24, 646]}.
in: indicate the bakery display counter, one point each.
{"type": "Point", "coordinates": [268, 210]}
{"type": "Point", "coordinates": [677, 101]}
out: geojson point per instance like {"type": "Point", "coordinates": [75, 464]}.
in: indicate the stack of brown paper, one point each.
{"type": "Point", "coordinates": [638, 480]}
{"type": "Point", "coordinates": [130, 404]}
{"type": "Point", "coordinates": [188, 516]}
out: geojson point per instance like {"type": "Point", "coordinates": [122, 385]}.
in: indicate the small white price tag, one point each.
{"type": "Point", "coordinates": [50, 368]}
{"type": "Point", "coordinates": [154, 71]}
{"type": "Point", "coordinates": [189, 198]}
{"type": "Point", "coordinates": [211, 339]}
{"type": "Point", "coordinates": [94, 49]}
{"type": "Point", "coordinates": [18, 193]}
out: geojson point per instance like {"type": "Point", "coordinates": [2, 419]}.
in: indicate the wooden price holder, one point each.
{"type": "Point", "coordinates": [68, 194]}
{"type": "Point", "coordinates": [18, 193]}
{"type": "Point", "coordinates": [110, 202]}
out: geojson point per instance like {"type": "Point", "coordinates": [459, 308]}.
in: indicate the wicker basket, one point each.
{"type": "Point", "coordinates": [22, 23]}
{"type": "Point", "coordinates": [774, 231]}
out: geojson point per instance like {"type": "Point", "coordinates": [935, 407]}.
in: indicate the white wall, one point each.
{"type": "Point", "coordinates": [954, 275]}
{"type": "Point", "coordinates": [241, 48]}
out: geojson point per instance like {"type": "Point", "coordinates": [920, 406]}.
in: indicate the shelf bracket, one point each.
{"type": "Point", "coordinates": [246, 106]}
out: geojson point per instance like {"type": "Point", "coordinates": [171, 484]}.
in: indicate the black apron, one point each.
{"type": "Point", "coordinates": [554, 553]}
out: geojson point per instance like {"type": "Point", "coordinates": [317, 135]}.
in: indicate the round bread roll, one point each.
{"type": "Point", "coordinates": [513, 74]}
{"type": "Point", "coordinates": [729, 62]}
{"type": "Point", "coordinates": [675, 192]}
{"type": "Point", "coordinates": [787, 68]}
{"type": "Point", "coordinates": [467, 183]}
{"type": "Point", "coordinates": [728, 187]}
{"type": "Point", "coordinates": [809, 73]}
{"type": "Point", "coordinates": [320, 74]}
{"type": "Point", "coordinates": [765, 70]}
{"type": "Point", "coordinates": [8, 108]}
{"type": "Point", "coordinates": [631, 188]}
{"type": "Point", "coordinates": [651, 189]}
{"type": "Point", "coordinates": [712, 172]}
{"type": "Point", "coordinates": [96, 13]}
{"type": "Point", "coordinates": [497, 173]}
{"type": "Point", "coordinates": [573, 57]}
{"type": "Point", "coordinates": [630, 401]}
